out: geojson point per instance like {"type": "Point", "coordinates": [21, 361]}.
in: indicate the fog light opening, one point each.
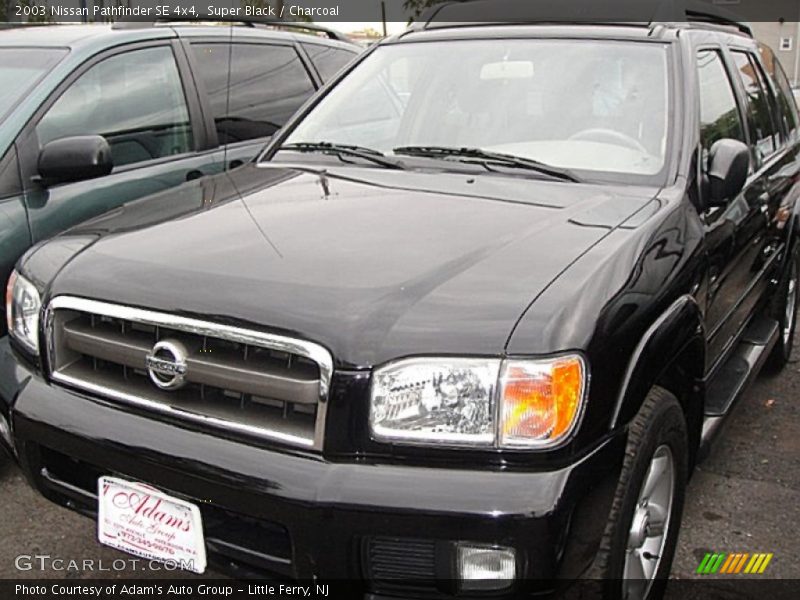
{"type": "Point", "coordinates": [483, 567]}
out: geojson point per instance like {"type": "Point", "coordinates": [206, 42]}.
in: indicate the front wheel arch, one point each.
{"type": "Point", "coordinates": [671, 354]}
{"type": "Point", "coordinates": [658, 422]}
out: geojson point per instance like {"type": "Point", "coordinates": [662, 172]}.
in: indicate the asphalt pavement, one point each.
{"type": "Point", "coordinates": [744, 498]}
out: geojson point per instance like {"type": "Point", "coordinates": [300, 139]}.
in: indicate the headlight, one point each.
{"type": "Point", "coordinates": [435, 400]}
{"type": "Point", "coordinates": [478, 402]}
{"type": "Point", "coordinates": [22, 311]}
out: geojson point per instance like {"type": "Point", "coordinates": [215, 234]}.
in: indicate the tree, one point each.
{"type": "Point", "coordinates": [371, 33]}
{"type": "Point", "coordinates": [112, 3]}
{"type": "Point", "coordinates": [38, 18]}
{"type": "Point", "coordinates": [277, 5]}
{"type": "Point", "coordinates": [419, 6]}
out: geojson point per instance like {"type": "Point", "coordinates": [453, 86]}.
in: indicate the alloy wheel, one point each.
{"type": "Point", "coordinates": [649, 527]}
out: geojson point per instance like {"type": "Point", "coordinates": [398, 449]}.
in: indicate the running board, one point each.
{"type": "Point", "coordinates": [735, 376]}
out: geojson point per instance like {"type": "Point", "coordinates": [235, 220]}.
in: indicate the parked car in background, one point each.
{"type": "Point", "coordinates": [92, 116]}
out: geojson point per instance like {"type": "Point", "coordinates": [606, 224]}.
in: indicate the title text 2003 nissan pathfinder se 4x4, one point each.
{"type": "Point", "coordinates": [464, 328]}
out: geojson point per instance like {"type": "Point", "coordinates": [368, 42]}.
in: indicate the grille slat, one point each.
{"type": "Point", "coordinates": [100, 341]}
{"type": "Point", "coordinates": [266, 385]}
{"type": "Point", "coordinates": [300, 385]}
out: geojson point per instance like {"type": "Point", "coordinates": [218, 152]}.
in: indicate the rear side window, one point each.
{"type": "Point", "coordinates": [764, 130]}
{"type": "Point", "coordinates": [268, 83]}
{"type": "Point", "coordinates": [327, 59]}
{"type": "Point", "coordinates": [719, 113]}
{"type": "Point", "coordinates": [787, 108]}
{"type": "Point", "coordinates": [135, 100]}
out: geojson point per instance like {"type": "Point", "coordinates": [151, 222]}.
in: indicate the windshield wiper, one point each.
{"type": "Point", "coordinates": [341, 150]}
{"type": "Point", "coordinates": [487, 158]}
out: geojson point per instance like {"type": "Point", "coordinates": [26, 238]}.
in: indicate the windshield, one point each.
{"type": "Point", "coordinates": [20, 69]}
{"type": "Point", "coordinates": [596, 106]}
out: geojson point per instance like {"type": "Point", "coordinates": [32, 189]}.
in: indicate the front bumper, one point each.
{"type": "Point", "coordinates": [13, 377]}
{"type": "Point", "coordinates": [274, 513]}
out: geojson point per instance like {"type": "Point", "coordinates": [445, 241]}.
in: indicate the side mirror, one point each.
{"type": "Point", "coordinates": [75, 159]}
{"type": "Point", "coordinates": [728, 166]}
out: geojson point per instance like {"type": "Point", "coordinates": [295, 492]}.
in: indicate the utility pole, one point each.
{"type": "Point", "coordinates": [383, 17]}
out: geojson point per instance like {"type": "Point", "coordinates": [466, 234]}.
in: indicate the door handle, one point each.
{"type": "Point", "coordinates": [194, 174]}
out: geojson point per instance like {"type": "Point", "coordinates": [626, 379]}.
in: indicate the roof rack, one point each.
{"type": "Point", "coordinates": [246, 21]}
{"type": "Point", "coordinates": [643, 12]}
{"type": "Point", "coordinates": [704, 12]}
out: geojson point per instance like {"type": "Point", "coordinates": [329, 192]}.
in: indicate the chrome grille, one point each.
{"type": "Point", "coordinates": [256, 383]}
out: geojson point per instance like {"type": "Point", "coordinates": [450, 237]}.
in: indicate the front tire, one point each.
{"type": "Point", "coordinates": [638, 545]}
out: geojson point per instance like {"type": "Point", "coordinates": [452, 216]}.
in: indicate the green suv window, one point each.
{"type": "Point", "coordinates": [21, 69]}
{"type": "Point", "coordinates": [267, 84]}
{"type": "Point", "coordinates": [135, 100]}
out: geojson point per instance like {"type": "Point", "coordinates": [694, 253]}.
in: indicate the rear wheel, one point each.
{"type": "Point", "coordinates": [785, 310]}
{"type": "Point", "coordinates": [636, 552]}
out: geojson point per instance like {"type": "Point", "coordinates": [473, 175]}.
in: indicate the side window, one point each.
{"type": "Point", "coordinates": [10, 183]}
{"type": "Point", "coordinates": [135, 100]}
{"type": "Point", "coordinates": [328, 60]}
{"type": "Point", "coordinates": [759, 114]}
{"type": "Point", "coordinates": [268, 83]}
{"type": "Point", "coordinates": [779, 135]}
{"type": "Point", "coordinates": [719, 113]}
{"type": "Point", "coordinates": [787, 108]}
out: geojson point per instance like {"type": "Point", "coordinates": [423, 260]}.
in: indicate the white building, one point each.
{"type": "Point", "coordinates": [775, 23]}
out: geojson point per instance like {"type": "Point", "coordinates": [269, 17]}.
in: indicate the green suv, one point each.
{"type": "Point", "coordinates": [93, 116]}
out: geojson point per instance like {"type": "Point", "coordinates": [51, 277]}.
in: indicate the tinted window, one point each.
{"type": "Point", "coordinates": [787, 108]}
{"type": "Point", "coordinates": [20, 69]}
{"type": "Point", "coordinates": [135, 100]}
{"type": "Point", "coordinates": [759, 114]}
{"type": "Point", "coordinates": [777, 123]}
{"type": "Point", "coordinates": [10, 184]}
{"type": "Point", "coordinates": [327, 59]}
{"type": "Point", "coordinates": [267, 85]}
{"type": "Point", "coordinates": [719, 113]}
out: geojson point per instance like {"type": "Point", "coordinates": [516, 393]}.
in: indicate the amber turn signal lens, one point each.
{"type": "Point", "coordinates": [540, 401]}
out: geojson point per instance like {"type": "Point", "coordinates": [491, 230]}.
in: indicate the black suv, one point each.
{"type": "Point", "coordinates": [465, 327]}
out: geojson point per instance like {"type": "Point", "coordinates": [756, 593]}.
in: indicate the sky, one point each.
{"type": "Point", "coordinates": [391, 26]}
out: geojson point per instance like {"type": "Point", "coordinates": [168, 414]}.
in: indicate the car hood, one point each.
{"type": "Point", "coordinates": [373, 264]}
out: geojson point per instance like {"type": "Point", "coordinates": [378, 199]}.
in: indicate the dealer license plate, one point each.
{"type": "Point", "coordinates": [145, 522]}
